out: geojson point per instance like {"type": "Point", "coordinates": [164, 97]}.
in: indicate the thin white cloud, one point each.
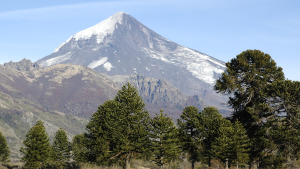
{"type": "Point", "coordinates": [102, 7]}
{"type": "Point", "coordinates": [54, 11]}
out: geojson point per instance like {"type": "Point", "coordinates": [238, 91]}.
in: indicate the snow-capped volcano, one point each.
{"type": "Point", "coordinates": [121, 45]}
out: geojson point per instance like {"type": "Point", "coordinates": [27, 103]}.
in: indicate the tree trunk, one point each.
{"type": "Point", "coordinates": [209, 160]}
{"type": "Point", "coordinates": [193, 163]}
{"type": "Point", "coordinates": [193, 158]}
{"type": "Point", "coordinates": [226, 167]}
{"type": "Point", "coordinates": [237, 164]}
{"type": "Point", "coordinates": [127, 161]}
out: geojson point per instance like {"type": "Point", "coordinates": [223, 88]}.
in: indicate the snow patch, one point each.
{"type": "Point", "coordinates": [56, 60]}
{"type": "Point", "coordinates": [147, 69]}
{"type": "Point", "coordinates": [97, 63]}
{"type": "Point", "coordinates": [99, 30]}
{"type": "Point", "coordinates": [107, 66]}
{"type": "Point", "coordinates": [199, 65]}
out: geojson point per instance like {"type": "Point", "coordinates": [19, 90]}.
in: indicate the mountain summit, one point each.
{"type": "Point", "coordinates": [121, 45]}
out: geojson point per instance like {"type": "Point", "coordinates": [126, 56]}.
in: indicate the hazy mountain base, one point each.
{"type": "Point", "coordinates": [17, 117]}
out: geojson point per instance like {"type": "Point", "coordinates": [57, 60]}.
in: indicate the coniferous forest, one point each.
{"type": "Point", "coordinates": [262, 131]}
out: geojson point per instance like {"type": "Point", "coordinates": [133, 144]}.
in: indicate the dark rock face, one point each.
{"type": "Point", "coordinates": [23, 65]}
{"type": "Point", "coordinates": [125, 46]}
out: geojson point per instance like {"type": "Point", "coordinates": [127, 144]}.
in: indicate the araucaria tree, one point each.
{"type": "Point", "coordinates": [103, 134]}
{"type": "Point", "coordinates": [164, 139]}
{"type": "Point", "coordinates": [283, 118]}
{"type": "Point", "coordinates": [4, 150]}
{"type": "Point", "coordinates": [61, 149]}
{"type": "Point", "coordinates": [212, 126]}
{"type": "Point", "coordinates": [118, 128]}
{"type": "Point", "coordinates": [239, 145]}
{"type": "Point", "coordinates": [79, 148]}
{"type": "Point", "coordinates": [244, 79]}
{"type": "Point", "coordinates": [37, 147]}
{"type": "Point", "coordinates": [189, 133]}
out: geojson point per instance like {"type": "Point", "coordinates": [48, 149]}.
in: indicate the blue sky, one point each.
{"type": "Point", "coordinates": [32, 29]}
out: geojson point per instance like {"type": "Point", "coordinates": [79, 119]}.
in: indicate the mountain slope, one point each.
{"type": "Point", "coordinates": [121, 45]}
{"type": "Point", "coordinates": [79, 90]}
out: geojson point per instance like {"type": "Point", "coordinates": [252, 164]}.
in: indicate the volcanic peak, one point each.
{"type": "Point", "coordinates": [99, 30]}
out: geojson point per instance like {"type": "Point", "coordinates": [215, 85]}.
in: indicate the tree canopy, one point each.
{"type": "Point", "coordinates": [4, 150]}
{"type": "Point", "coordinates": [37, 147]}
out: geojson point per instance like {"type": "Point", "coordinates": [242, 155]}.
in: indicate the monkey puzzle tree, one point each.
{"type": "Point", "coordinates": [61, 149]}
{"type": "Point", "coordinates": [4, 150]}
{"type": "Point", "coordinates": [79, 148]}
{"type": "Point", "coordinates": [189, 134]}
{"type": "Point", "coordinates": [165, 140]}
{"type": "Point", "coordinates": [283, 119]}
{"type": "Point", "coordinates": [37, 147]}
{"type": "Point", "coordinates": [244, 79]}
{"type": "Point", "coordinates": [212, 126]}
{"type": "Point", "coordinates": [118, 129]}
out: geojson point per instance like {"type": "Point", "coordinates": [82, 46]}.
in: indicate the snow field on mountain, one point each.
{"type": "Point", "coordinates": [100, 30]}
{"type": "Point", "coordinates": [56, 60]}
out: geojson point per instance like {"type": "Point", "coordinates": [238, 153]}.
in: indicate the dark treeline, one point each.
{"type": "Point", "coordinates": [262, 132]}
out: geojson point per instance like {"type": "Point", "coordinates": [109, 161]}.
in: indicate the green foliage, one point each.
{"type": "Point", "coordinates": [118, 129]}
{"type": "Point", "coordinates": [211, 127]}
{"type": "Point", "coordinates": [164, 139]}
{"type": "Point", "coordinates": [37, 147]}
{"type": "Point", "coordinates": [283, 118]}
{"type": "Point", "coordinates": [61, 149]}
{"type": "Point", "coordinates": [189, 134]}
{"type": "Point", "coordinates": [79, 148]}
{"type": "Point", "coordinates": [239, 145]}
{"type": "Point", "coordinates": [102, 132]}
{"type": "Point", "coordinates": [244, 79]}
{"type": "Point", "coordinates": [4, 150]}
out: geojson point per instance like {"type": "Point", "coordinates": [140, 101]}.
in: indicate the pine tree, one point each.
{"type": "Point", "coordinates": [118, 129]}
{"type": "Point", "coordinates": [244, 79]}
{"type": "Point", "coordinates": [103, 132]}
{"type": "Point", "coordinates": [135, 120]}
{"type": "Point", "coordinates": [61, 149]}
{"type": "Point", "coordinates": [189, 134]}
{"type": "Point", "coordinates": [211, 127]}
{"type": "Point", "coordinates": [37, 147]}
{"type": "Point", "coordinates": [164, 139]}
{"type": "Point", "coordinates": [79, 148]}
{"type": "Point", "coordinates": [240, 145]}
{"type": "Point", "coordinates": [4, 150]}
{"type": "Point", "coordinates": [223, 143]}
{"type": "Point", "coordinates": [283, 119]}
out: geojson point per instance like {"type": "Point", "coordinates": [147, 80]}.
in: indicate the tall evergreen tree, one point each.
{"type": "Point", "coordinates": [189, 134]}
{"type": "Point", "coordinates": [135, 120]}
{"type": "Point", "coordinates": [283, 119]}
{"type": "Point", "coordinates": [61, 149]}
{"type": "Point", "coordinates": [118, 129]}
{"type": "Point", "coordinates": [103, 134]}
{"type": "Point", "coordinates": [165, 140]}
{"type": "Point", "coordinates": [79, 148]}
{"type": "Point", "coordinates": [240, 145]}
{"type": "Point", "coordinates": [37, 147]}
{"type": "Point", "coordinates": [244, 79]}
{"type": "Point", "coordinates": [4, 150]}
{"type": "Point", "coordinates": [211, 127]}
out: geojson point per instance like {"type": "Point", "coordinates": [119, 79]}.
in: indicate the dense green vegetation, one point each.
{"type": "Point", "coordinates": [262, 131]}
{"type": "Point", "coordinates": [4, 150]}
